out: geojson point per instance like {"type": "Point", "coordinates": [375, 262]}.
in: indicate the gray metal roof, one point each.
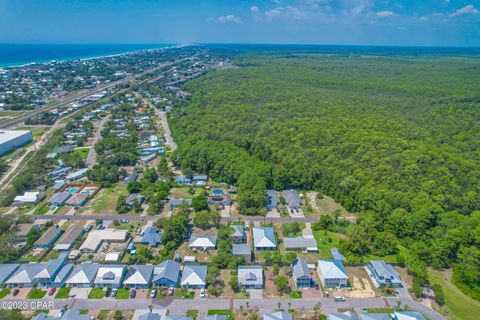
{"type": "Point", "coordinates": [238, 230]}
{"type": "Point", "coordinates": [151, 236]}
{"type": "Point", "coordinates": [64, 273]}
{"type": "Point", "coordinates": [72, 233]}
{"type": "Point", "coordinates": [60, 197]}
{"type": "Point", "coordinates": [337, 255]}
{"type": "Point", "coordinates": [272, 198]}
{"type": "Point", "coordinates": [383, 269]}
{"type": "Point", "coordinates": [292, 198]}
{"type": "Point", "coordinates": [83, 273]}
{"type": "Point", "coordinates": [168, 269]}
{"type": "Point", "coordinates": [374, 316]}
{"type": "Point", "coordinates": [139, 274]}
{"type": "Point", "coordinates": [279, 315]}
{"type": "Point", "coordinates": [300, 269]}
{"type": "Point", "coordinates": [194, 275]}
{"type": "Point", "coordinates": [177, 202]}
{"type": "Point", "coordinates": [149, 316]}
{"type": "Point", "coordinates": [241, 249]}
{"type": "Point", "coordinates": [203, 241]}
{"type": "Point", "coordinates": [264, 237]}
{"type": "Point", "coordinates": [250, 275]}
{"type": "Point", "coordinates": [6, 270]}
{"type": "Point", "coordinates": [49, 235]}
{"type": "Point", "coordinates": [299, 243]}
{"type": "Point", "coordinates": [347, 315]}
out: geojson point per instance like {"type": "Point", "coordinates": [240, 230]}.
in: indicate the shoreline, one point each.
{"type": "Point", "coordinates": [22, 64]}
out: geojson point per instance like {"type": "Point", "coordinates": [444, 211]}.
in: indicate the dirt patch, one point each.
{"type": "Point", "coordinates": [361, 285]}
{"type": "Point", "coordinates": [270, 287]}
{"type": "Point", "coordinates": [200, 256]}
{"type": "Point", "coordinates": [407, 278]}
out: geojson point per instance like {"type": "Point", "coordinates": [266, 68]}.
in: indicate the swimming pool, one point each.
{"type": "Point", "coordinates": [72, 190]}
{"type": "Point", "coordinates": [218, 191]}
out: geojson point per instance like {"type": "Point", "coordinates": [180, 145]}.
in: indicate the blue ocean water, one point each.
{"type": "Point", "coordinates": [18, 54]}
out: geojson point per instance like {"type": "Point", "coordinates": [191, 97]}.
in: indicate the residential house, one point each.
{"type": "Point", "coordinates": [202, 243]}
{"type": "Point", "coordinates": [74, 232]}
{"type": "Point", "coordinates": [301, 274]}
{"type": "Point", "coordinates": [347, 315]}
{"type": "Point", "coordinates": [131, 177]}
{"type": "Point", "coordinates": [238, 233]}
{"type": "Point", "coordinates": [82, 276]}
{"type": "Point", "coordinates": [175, 203]}
{"type": "Point", "coordinates": [407, 315]}
{"type": "Point", "coordinates": [77, 175]}
{"type": "Point", "coordinates": [32, 274]}
{"type": "Point", "coordinates": [49, 237]}
{"type": "Point", "coordinates": [332, 274]}
{"type": "Point", "coordinates": [250, 277]}
{"type": "Point", "coordinates": [21, 231]}
{"type": "Point", "coordinates": [77, 200]}
{"type": "Point", "coordinates": [279, 315]}
{"type": "Point", "coordinates": [264, 238]}
{"type": "Point", "coordinates": [374, 316]}
{"type": "Point", "coordinates": [62, 275]}
{"type": "Point", "coordinates": [242, 250]}
{"type": "Point", "coordinates": [272, 199]}
{"type": "Point", "coordinates": [139, 276]}
{"type": "Point", "coordinates": [200, 178]}
{"type": "Point", "coordinates": [194, 277]}
{"type": "Point", "coordinates": [6, 270]}
{"type": "Point", "coordinates": [59, 199]}
{"type": "Point", "coordinates": [183, 180]}
{"type": "Point", "coordinates": [134, 197]}
{"type": "Point", "coordinates": [151, 237]}
{"type": "Point", "coordinates": [96, 237]}
{"type": "Point", "coordinates": [166, 274]}
{"type": "Point", "coordinates": [337, 255]}
{"type": "Point", "coordinates": [219, 199]}
{"type": "Point", "coordinates": [27, 198]}
{"type": "Point", "coordinates": [110, 276]}
{"type": "Point", "coordinates": [383, 274]}
{"type": "Point", "coordinates": [308, 244]}
{"type": "Point", "coordinates": [292, 199]}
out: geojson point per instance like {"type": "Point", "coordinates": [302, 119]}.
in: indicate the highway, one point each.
{"type": "Point", "coordinates": [76, 97]}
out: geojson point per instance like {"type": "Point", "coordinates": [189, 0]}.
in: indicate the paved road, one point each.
{"type": "Point", "coordinates": [179, 306]}
{"type": "Point", "coordinates": [167, 133]}
{"type": "Point", "coordinates": [92, 154]}
{"type": "Point", "coordinates": [154, 218]}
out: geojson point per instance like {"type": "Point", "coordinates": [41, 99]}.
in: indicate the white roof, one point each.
{"type": "Point", "coordinates": [110, 274]}
{"type": "Point", "coordinates": [113, 256]}
{"type": "Point", "coordinates": [95, 238]}
{"type": "Point", "coordinates": [83, 274]}
{"type": "Point", "coordinates": [202, 242]}
{"type": "Point", "coordinates": [194, 275]}
{"type": "Point", "coordinates": [332, 269]}
{"type": "Point", "coordinates": [139, 274]}
{"type": "Point", "coordinates": [27, 197]}
{"type": "Point", "coordinates": [7, 135]}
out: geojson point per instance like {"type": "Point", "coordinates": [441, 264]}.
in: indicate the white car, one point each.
{"type": "Point", "coordinates": [202, 293]}
{"type": "Point", "coordinates": [339, 299]}
{"type": "Point", "coordinates": [153, 293]}
{"type": "Point", "coordinates": [170, 291]}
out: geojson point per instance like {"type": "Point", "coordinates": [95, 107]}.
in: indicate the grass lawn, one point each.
{"type": "Point", "coordinates": [192, 313]}
{"type": "Point", "coordinates": [36, 294]}
{"type": "Point", "coordinates": [380, 310]}
{"type": "Point", "coordinates": [123, 293]}
{"type": "Point", "coordinates": [296, 295]}
{"type": "Point", "coordinates": [388, 259]}
{"type": "Point", "coordinates": [54, 254]}
{"type": "Point", "coordinates": [182, 192]}
{"type": "Point", "coordinates": [4, 292]}
{"type": "Point", "coordinates": [227, 313]}
{"type": "Point", "coordinates": [42, 210]}
{"type": "Point", "coordinates": [457, 303]}
{"type": "Point", "coordinates": [105, 201]}
{"type": "Point", "coordinates": [96, 293]}
{"type": "Point", "coordinates": [182, 293]}
{"type": "Point", "coordinates": [62, 293]}
{"type": "Point", "coordinates": [325, 243]}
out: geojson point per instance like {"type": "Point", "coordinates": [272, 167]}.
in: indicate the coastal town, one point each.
{"type": "Point", "coordinates": [101, 221]}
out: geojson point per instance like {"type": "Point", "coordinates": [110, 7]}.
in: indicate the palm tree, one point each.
{"type": "Point", "coordinates": [279, 305]}
{"type": "Point", "coordinates": [247, 303]}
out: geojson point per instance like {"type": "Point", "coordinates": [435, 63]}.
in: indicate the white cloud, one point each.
{"type": "Point", "coordinates": [384, 14]}
{"type": "Point", "coordinates": [229, 18]}
{"type": "Point", "coordinates": [423, 19]}
{"type": "Point", "coordinates": [288, 12]}
{"type": "Point", "coordinates": [254, 9]}
{"type": "Point", "coordinates": [469, 9]}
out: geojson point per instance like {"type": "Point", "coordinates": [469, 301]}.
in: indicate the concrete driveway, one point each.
{"type": "Point", "coordinates": [80, 293]}
{"type": "Point", "coordinates": [255, 293]}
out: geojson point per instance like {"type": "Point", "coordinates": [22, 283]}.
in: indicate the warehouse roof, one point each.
{"type": "Point", "coordinates": [7, 135]}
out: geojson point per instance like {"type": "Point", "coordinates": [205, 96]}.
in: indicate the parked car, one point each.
{"type": "Point", "coordinates": [339, 299]}
{"type": "Point", "coordinates": [108, 292]}
{"type": "Point", "coordinates": [153, 293]}
{"type": "Point", "coordinates": [202, 293]}
{"type": "Point", "coordinates": [170, 291]}
{"type": "Point", "coordinates": [133, 294]}
{"type": "Point", "coordinates": [15, 292]}
{"type": "Point", "coordinates": [52, 291]}
{"type": "Point", "coordinates": [114, 293]}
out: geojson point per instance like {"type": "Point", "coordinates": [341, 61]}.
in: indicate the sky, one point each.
{"type": "Point", "coordinates": [356, 22]}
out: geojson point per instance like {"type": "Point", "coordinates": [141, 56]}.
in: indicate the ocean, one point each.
{"type": "Point", "coordinates": [20, 54]}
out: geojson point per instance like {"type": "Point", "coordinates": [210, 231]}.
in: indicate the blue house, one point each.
{"type": "Point", "coordinates": [49, 237]}
{"type": "Point", "coordinates": [183, 180]}
{"type": "Point", "coordinates": [166, 274]}
{"type": "Point", "coordinates": [151, 237]}
{"type": "Point", "coordinates": [301, 274]}
{"type": "Point", "coordinates": [272, 199]}
{"type": "Point", "coordinates": [383, 274]}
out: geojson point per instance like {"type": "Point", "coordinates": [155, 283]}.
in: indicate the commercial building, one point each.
{"type": "Point", "coordinates": [96, 237]}
{"type": "Point", "coordinates": [10, 140]}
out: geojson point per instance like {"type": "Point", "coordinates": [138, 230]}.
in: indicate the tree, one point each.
{"type": "Point", "coordinates": [200, 203]}
{"type": "Point", "coordinates": [33, 235]}
{"type": "Point", "coordinates": [207, 219]}
{"type": "Point", "coordinates": [121, 205]}
{"type": "Point", "coordinates": [281, 282]}
{"type": "Point", "coordinates": [439, 294]}
{"type": "Point", "coordinates": [134, 187]}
